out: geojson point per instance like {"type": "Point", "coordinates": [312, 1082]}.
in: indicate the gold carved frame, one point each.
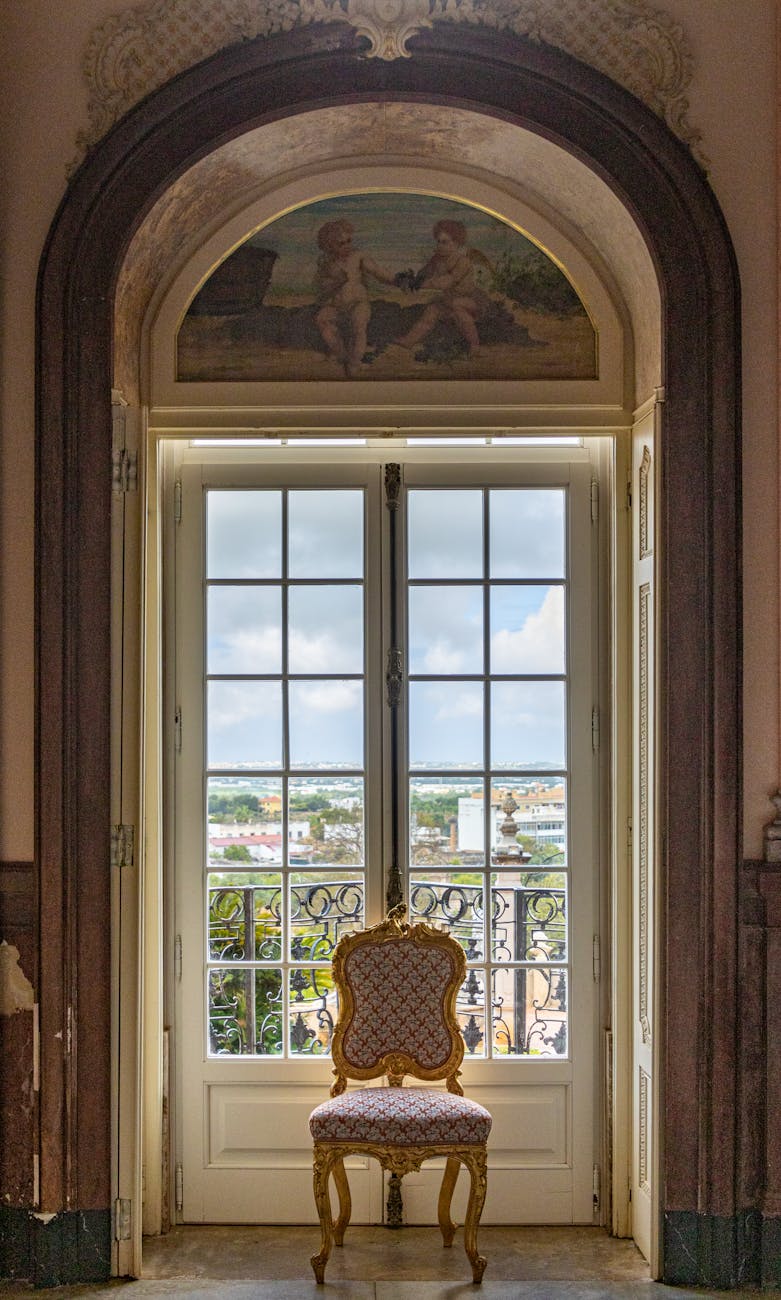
{"type": "Point", "coordinates": [398, 1159]}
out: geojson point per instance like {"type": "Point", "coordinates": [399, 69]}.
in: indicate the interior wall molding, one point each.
{"type": "Point", "coordinates": [638, 45]}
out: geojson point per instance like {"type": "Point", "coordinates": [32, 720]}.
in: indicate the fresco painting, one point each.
{"type": "Point", "coordinates": [387, 286]}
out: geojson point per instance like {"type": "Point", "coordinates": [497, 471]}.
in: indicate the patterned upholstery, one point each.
{"type": "Point", "coordinates": [402, 1117]}
{"type": "Point", "coordinates": [397, 986]}
{"type": "Point", "coordinates": [398, 991]}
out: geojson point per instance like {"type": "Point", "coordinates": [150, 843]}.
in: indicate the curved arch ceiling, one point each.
{"type": "Point", "coordinates": [562, 189]}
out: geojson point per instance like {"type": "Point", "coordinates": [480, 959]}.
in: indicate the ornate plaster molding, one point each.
{"type": "Point", "coordinates": [134, 52]}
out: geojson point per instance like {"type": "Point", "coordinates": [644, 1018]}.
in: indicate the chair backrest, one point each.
{"type": "Point", "coordinates": [397, 986]}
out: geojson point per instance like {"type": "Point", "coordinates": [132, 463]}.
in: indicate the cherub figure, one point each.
{"type": "Point", "coordinates": [451, 270]}
{"type": "Point", "coordinates": [343, 306]}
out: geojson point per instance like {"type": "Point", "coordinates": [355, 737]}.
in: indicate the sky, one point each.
{"type": "Point", "coordinates": [526, 632]}
{"type": "Point", "coordinates": [395, 230]}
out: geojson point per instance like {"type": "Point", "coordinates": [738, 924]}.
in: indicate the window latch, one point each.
{"type": "Point", "coordinates": [394, 676]}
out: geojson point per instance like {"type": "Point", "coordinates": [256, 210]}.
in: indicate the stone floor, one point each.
{"type": "Point", "coordinates": [377, 1264]}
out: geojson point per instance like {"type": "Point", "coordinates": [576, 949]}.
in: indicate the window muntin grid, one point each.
{"type": "Point", "coordinates": [487, 725]}
{"type": "Point", "coordinates": [285, 617]}
{"type": "Point", "coordinates": [297, 993]}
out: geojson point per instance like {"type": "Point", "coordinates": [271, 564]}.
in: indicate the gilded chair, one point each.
{"type": "Point", "coordinates": [397, 986]}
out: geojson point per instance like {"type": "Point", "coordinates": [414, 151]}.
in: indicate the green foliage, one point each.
{"type": "Point", "coordinates": [542, 853]}
{"type": "Point", "coordinates": [241, 807]}
{"type": "Point", "coordinates": [435, 810]}
{"type": "Point", "coordinates": [532, 280]}
{"type": "Point", "coordinates": [308, 802]}
{"type": "Point", "coordinates": [237, 853]}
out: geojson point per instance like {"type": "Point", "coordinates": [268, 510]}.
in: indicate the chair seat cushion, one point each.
{"type": "Point", "coordinates": [400, 1117]}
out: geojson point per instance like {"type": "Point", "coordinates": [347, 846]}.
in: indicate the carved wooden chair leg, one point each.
{"type": "Point", "coordinates": [477, 1174]}
{"type": "Point", "coordinates": [345, 1203]}
{"type": "Point", "coordinates": [446, 1224]}
{"type": "Point", "coordinates": [323, 1161]}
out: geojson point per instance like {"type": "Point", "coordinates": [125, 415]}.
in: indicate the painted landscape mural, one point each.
{"type": "Point", "coordinates": [387, 286]}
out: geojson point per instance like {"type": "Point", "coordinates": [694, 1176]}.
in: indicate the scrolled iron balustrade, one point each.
{"type": "Point", "coordinates": [528, 924]}
{"type": "Point", "coordinates": [245, 1000]}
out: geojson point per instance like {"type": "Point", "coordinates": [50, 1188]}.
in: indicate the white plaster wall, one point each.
{"type": "Point", "coordinates": [733, 101]}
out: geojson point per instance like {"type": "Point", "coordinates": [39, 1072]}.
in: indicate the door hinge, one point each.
{"type": "Point", "coordinates": [122, 845]}
{"type": "Point", "coordinates": [178, 957]}
{"type": "Point", "coordinates": [122, 1219]}
{"type": "Point", "coordinates": [595, 1186]}
{"type": "Point", "coordinates": [179, 1195]}
{"type": "Point", "coordinates": [124, 460]}
{"type": "Point", "coordinates": [178, 501]}
{"type": "Point", "coordinates": [124, 470]}
{"type": "Point", "coordinates": [594, 501]}
{"type": "Point", "coordinates": [629, 835]}
{"type": "Point", "coordinates": [596, 958]}
{"type": "Point", "coordinates": [629, 490]}
{"type": "Point", "coordinates": [178, 731]}
{"type": "Point", "coordinates": [595, 730]}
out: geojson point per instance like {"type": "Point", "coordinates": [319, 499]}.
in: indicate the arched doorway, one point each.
{"type": "Point", "coordinates": [698, 788]}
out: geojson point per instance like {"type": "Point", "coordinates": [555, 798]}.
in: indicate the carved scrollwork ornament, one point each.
{"type": "Point", "coordinates": [635, 43]}
{"type": "Point", "coordinates": [392, 485]}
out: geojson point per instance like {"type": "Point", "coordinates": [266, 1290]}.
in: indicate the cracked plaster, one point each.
{"type": "Point", "coordinates": [16, 991]}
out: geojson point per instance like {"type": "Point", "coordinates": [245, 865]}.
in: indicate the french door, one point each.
{"type": "Point", "coordinates": [384, 686]}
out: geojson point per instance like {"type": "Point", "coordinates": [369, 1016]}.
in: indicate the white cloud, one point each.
{"type": "Point", "coordinates": [537, 646]}
{"type": "Point", "coordinates": [246, 650]}
{"type": "Point", "coordinates": [325, 697]}
{"type": "Point", "coordinates": [233, 704]}
{"type": "Point", "coordinates": [459, 704]}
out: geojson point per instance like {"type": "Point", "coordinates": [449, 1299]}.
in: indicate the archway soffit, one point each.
{"type": "Point", "coordinates": [641, 47]}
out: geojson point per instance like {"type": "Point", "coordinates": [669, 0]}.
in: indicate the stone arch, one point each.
{"type": "Point", "coordinates": [659, 183]}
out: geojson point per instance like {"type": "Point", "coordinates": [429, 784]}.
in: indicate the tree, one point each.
{"type": "Point", "coordinates": [237, 853]}
{"type": "Point", "coordinates": [340, 832]}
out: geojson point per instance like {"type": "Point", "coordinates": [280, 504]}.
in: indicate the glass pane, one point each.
{"type": "Point", "coordinates": [268, 1012]}
{"type": "Point", "coordinates": [454, 901]}
{"type": "Point", "coordinates": [470, 1012]}
{"type": "Point", "coordinates": [230, 994]}
{"type": "Point", "coordinates": [527, 630]}
{"type": "Point", "coordinates": [325, 821]}
{"type": "Point", "coordinates": [529, 1011]}
{"type": "Point", "coordinates": [325, 629]}
{"type": "Point", "coordinates": [323, 907]}
{"type": "Point", "coordinates": [325, 534]}
{"type": "Point", "coordinates": [244, 534]}
{"type": "Point", "coordinates": [312, 1011]}
{"type": "Point", "coordinates": [528, 916]}
{"type": "Point", "coordinates": [528, 725]}
{"type": "Point", "coordinates": [245, 922]}
{"type": "Point", "coordinates": [244, 630]}
{"type": "Point", "coordinates": [245, 724]}
{"type": "Point", "coordinates": [539, 821]}
{"type": "Point", "coordinates": [445, 534]}
{"type": "Point", "coordinates": [245, 821]}
{"type": "Point", "coordinates": [326, 724]}
{"type": "Point", "coordinates": [527, 534]}
{"type": "Point", "coordinates": [445, 630]}
{"type": "Point", "coordinates": [245, 1011]}
{"type": "Point", "coordinates": [446, 823]}
{"type": "Point", "coordinates": [446, 724]}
